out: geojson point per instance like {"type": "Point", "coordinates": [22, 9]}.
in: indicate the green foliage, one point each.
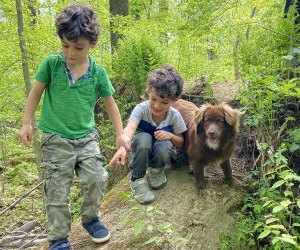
{"type": "Point", "coordinates": [269, 217]}
{"type": "Point", "coordinates": [146, 220]}
{"type": "Point", "coordinates": [137, 54]}
{"type": "Point", "coordinates": [270, 213]}
{"type": "Point", "coordinates": [75, 199]}
{"type": "Point", "coordinates": [272, 105]}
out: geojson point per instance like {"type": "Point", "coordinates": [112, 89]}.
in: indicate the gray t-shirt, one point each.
{"type": "Point", "coordinates": [143, 115]}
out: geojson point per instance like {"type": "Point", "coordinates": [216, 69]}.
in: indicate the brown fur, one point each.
{"type": "Point", "coordinates": [210, 137]}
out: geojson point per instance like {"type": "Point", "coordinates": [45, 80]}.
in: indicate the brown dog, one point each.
{"type": "Point", "coordinates": [210, 137]}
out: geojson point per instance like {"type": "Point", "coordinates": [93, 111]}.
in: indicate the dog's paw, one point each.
{"type": "Point", "coordinates": [233, 182]}
{"type": "Point", "coordinates": [201, 186]}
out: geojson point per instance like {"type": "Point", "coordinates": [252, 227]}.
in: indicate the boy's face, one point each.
{"type": "Point", "coordinates": [159, 106]}
{"type": "Point", "coordinates": [76, 52]}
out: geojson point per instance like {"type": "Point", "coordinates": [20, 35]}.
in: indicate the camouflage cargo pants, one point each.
{"type": "Point", "coordinates": [62, 158]}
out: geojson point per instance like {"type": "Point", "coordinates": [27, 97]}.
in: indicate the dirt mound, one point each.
{"type": "Point", "coordinates": [199, 219]}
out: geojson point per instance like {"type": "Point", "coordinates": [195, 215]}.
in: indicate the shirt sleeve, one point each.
{"type": "Point", "coordinates": [43, 74]}
{"type": "Point", "coordinates": [106, 88]}
{"type": "Point", "coordinates": [137, 113]}
{"type": "Point", "coordinates": [178, 123]}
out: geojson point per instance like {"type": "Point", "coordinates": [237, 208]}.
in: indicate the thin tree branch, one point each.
{"type": "Point", "coordinates": [21, 198]}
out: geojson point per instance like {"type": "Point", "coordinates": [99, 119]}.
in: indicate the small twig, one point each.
{"type": "Point", "coordinates": [7, 239]}
{"type": "Point", "coordinates": [26, 227]}
{"type": "Point", "coordinates": [35, 241]}
{"type": "Point", "coordinates": [21, 198]}
{"type": "Point", "coordinates": [261, 157]}
{"type": "Point", "coordinates": [257, 160]}
{"type": "Point", "coordinates": [18, 244]}
{"type": "Point", "coordinates": [282, 128]}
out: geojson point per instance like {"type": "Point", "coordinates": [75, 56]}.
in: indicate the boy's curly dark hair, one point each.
{"type": "Point", "coordinates": [76, 21]}
{"type": "Point", "coordinates": [166, 81]}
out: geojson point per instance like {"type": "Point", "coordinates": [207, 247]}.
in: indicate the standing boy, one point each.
{"type": "Point", "coordinates": [72, 83]}
{"type": "Point", "coordinates": [155, 128]}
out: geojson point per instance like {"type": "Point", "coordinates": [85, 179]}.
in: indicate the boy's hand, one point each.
{"type": "Point", "coordinates": [119, 157]}
{"type": "Point", "coordinates": [162, 135]}
{"type": "Point", "coordinates": [26, 134]}
{"type": "Point", "coordinates": [123, 140]}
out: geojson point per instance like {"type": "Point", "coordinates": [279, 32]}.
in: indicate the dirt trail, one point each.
{"type": "Point", "coordinates": [199, 219]}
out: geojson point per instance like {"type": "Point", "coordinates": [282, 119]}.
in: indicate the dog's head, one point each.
{"type": "Point", "coordinates": [217, 123]}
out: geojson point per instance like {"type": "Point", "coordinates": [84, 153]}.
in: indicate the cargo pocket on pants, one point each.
{"type": "Point", "coordinates": [52, 185]}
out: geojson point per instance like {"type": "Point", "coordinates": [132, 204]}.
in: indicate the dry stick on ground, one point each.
{"type": "Point", "coordinates": [20, 244]}
{"type": "Point", "coordinates": [29, 226]}
{"type": "Point", "coordinates": [7, 239]}
{"type": "Point", "coordinates": [40, 238]}
{"type": "Point", "coordinates": [21, 198]}
{"type": "Point", "coordinates": [21, 237]}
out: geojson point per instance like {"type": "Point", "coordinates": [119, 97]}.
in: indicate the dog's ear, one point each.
{"type": "Point", "coordinates": [199, 116]}
{"type": "Point", "coordinates": [232, 116]}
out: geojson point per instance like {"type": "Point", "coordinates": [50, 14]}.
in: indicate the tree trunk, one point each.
{"type": "Point", "coordinates": [211, 53]}
{"type": "Point", "coordinates": [237, 73]}
{"type": "Point", "coordinates": [31, 6]}
{"type": "Point", "coordinates": [26, 76]}
{"type": "Point", "coordinates": [248, 29]}
{"type": "Point", "coordinates": [121, 8]}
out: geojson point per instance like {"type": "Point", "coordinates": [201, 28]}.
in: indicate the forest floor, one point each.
{"type": "Point", "coordinates": [201, 220]}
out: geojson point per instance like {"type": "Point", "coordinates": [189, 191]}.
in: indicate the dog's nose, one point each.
{"type": "Point", "coordinates": [211, 132]}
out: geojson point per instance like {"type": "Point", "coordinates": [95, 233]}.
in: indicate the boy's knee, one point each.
{"type": "Point", "coordinates": [142, 141]}
{"type": "Point", "coordinates": [164, 150]}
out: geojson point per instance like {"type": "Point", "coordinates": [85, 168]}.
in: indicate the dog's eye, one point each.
{"type": "Point", "coordinates": [220, 122]}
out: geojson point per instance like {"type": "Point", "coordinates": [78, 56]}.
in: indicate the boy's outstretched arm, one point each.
{"type": "Point", "coordinates": [114, 115]}
{"type": "Point", "coordinates": [30, 108]}
{"type": "Point", "coordinates": [120, 156]}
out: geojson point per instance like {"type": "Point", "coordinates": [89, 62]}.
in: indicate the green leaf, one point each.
{"type": "Point", "coordinates": [267, 203]}
{"type": "Point", "coordinates": [271, 220]}
{"type": "Point", "coordinates": [124, 196]}
{"type": "Point", "coordinates": [153, 239]}
{"type": "Point", "coordinates": [275, 240]}
{"type": "Point", "coordinates": [150, 228]}
{"type": "Point", "coordinates": [150, 208]}
{"type": "Point", "coordinates": [276, 232]}
{"type": "Point", "coordinates": [278, 184]}
{"type": "Point", "coordinates": [165, 226]}
{"type": "Point", "coordinates": [285, 203]}
{"type": "Point", "coordinates": [288, 193]}
{"type": "Point", "coordinates": [291, 241]}
{"type": "Point", "coordinates": [289, 236]}
{"type": "Point", "coordinates": [277, 209]}
{"type": "Point", "coordinates": [275, 227]}
{"type": "Point", "coordinates": [292, 176]}
{"type": "Point", "coordinates": [264, 234]}
{"type": "Point", "coordinates": [294, 147]}
{"type": "Point", "coordinates": [138, 227]}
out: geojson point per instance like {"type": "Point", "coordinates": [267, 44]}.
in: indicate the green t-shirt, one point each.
{"type": "Point", "coordinates": [68, 110]}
